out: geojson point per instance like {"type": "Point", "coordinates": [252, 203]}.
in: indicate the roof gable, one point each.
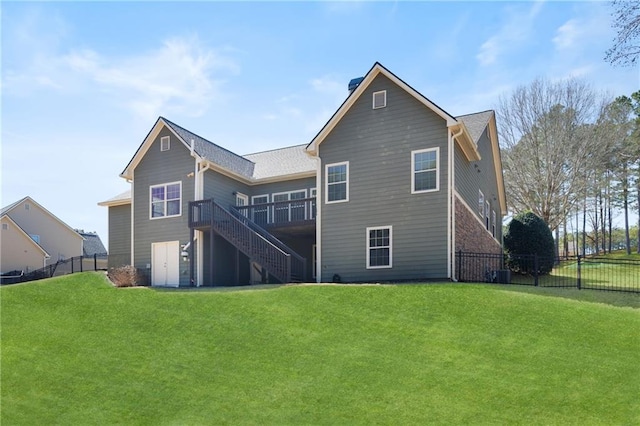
{"type": "Point", "coordinates": [200, 147]}
{"type": "Point", "coordinates": [377, 69]}
{"type": "Point", "coordinates": [25, 236]}
{"type": "Point", "coordinates": [7, 211]}
{"type": "Point", "coordinates": [289, 161]}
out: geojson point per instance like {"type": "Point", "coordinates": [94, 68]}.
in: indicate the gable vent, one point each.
{"type": "Point", "coordinates": [379, 99]}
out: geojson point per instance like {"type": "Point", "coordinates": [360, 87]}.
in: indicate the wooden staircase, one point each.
{"type": "Point", "coordinates": [255, 242]}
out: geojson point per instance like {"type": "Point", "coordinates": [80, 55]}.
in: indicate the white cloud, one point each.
{"type": "Point", "coordinates": [567, 34]}
{"type": "Point", "coordinates": [516, 30]}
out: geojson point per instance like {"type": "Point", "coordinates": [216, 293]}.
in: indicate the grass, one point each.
{"type": "Point", "coordinates": [77, 351]}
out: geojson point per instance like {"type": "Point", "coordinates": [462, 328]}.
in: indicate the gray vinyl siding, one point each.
{"type": "Point", "coordinates": [222, 188]}
{"type": "Point", "coordinates": [119, 235]}
{"type": "Point", "coordinates": [378, 144]}
{"type": "Point", "coordinates": [284, 186]}
{"type": "Point", "coordinates": [155, 168]}
{"type": "Point", "coordinates": [470, 177]}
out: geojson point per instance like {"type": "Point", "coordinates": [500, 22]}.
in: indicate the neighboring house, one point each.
{"type": "Point", "coordinates": [389, 189]}
{"type": "Point", "coordinates": [92, 244]}
{"type": "Point", "coordinates": [51, 238]}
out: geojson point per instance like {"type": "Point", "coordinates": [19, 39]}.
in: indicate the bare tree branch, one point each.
{"type": "Point", "coordinates": [626, 45]}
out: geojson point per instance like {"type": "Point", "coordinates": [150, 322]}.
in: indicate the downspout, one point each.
{"type": "Point", "coordinates": [318, 220]}
{"type": "Point", "coordinates": [451, 242]}
{"type": "Point", "coordinates": [131, 260]}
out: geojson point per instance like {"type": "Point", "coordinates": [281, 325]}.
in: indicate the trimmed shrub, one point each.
{"type": "Point", "coordinates": [125, 276]}
{"type": "Point", "coordinates": [528, 234]}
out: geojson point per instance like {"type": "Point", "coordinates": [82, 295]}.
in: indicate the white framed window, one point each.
{"type": "Point", "coordinates": [289, 211]}
{"type": "Point", "coordinates": [380, 247]}
{"type": "Point", "coordinates": [241, 199]}
{"type": "Point", "coordinates": [487, 209]}
{"type": "Point", "coordinates": [379, 99]}
{"type": "Point", "coordinates": [165, 200]}
{"type": "Point", "coordinates": [481, 203]}
{"type": "Point", "coordinates": [27, 206]}
{"type": "Point", "coordinates": [165, 143]}
{"type": "Point", "coordinates": [337, 182]}
{"type": "Point", "coordinates": [312, 204]}
{"type": "Point", "coordinates": [260, 214]}
{"type": "Point", "coordinates": [493, 223]}
{"type": "Point", "coordinates": [5, 226]}
{"type": "Point", "coordinates": [425, 167]}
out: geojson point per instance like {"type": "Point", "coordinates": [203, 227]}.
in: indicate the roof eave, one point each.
{"type": "Point", "coordinates": [465, 142]}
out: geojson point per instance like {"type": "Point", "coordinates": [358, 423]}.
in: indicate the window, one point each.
{"type": "Point", "coordinates": [481, 203]}
{"type": "Point", "coordinates": [27, 206]}
{"type": "Point", "coordinates": [260, 214]}
{"type": "Point", "coordinates": [337, 182]}
{"type": "Point", "coordinates": [487, 209]}
{"type": "Point", "coordinates": [287, 210]}
{"type": "Point", "coordinates": [166, 200]}
{"type": "Point", "coordinates": [379, 247]}
{"type": "Point", "coordinates": [379, 99]}
{"type": "Point", "coordinates": [493, 223]}
{"type": "Point", "coordinates": [165, 143]}
{"type": "Point", "coordinates": [424, 170]}
{"type": "Point", "coordinates": [5, 226]}
{"type": "Point", "coordinates": [312, 204]}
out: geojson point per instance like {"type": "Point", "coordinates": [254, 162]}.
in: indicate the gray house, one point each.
{"type": "Point", "coordinates": [388, 189]}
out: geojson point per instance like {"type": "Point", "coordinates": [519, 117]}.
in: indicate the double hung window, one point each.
{"type": "Point", "coordinates": [337, 182]}
{"type": "Point", "coordinates": [166, 200]}
{"type": "Point", "coordinates": [424, 166]}
{"type": "Point", "coordinates": [379, 247]}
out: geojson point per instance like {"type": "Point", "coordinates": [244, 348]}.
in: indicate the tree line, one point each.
{"type": "Point", "coordinates": [572, 157]}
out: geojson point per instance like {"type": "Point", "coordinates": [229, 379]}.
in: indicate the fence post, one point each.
{"type": "Point", "coordinates": [579, 273]}
{"type": "Point", "coordinates": [535, 268]}
{"type": "Point", "coordinates": [72, 265]}
{"type": "Point", "coordinates": [459, 265]}
{"type": "Point", "coordinates": [95, 261]}
{"type": "Point", "coordinates": [81, 262]}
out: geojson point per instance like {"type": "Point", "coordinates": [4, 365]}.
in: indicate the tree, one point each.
{"type": "Point", "coordinates": [528, 234]}
{"type": "Point", "coordinates": [626, 44]}
{"type": "Point", "coordinates": [549, 146]}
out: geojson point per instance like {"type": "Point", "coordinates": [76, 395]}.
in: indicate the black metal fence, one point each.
{"type": "Point", "coordinates": [594, 273]}
{"type": "Point", "coordinates": [96, 262]}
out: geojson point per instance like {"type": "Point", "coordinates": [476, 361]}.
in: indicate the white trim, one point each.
{"type": "Point", "coordinates": [493, 223]}
{"type": "Point", "coordinates": [243, 197]}
{"type": "Point", "coordinates": [165, 185]}
{"type": "Point", "coordinates": [480, 209]}
{"type": "Point", "coordinates": [369, 248]}
{"type": "Point", "coordinates": [384, 99]}
{"type": "Point", "coordinates": [319, 220]}
{"type": "Point", "coordinates": [326, 182]}
{"type": "Point", "coordinates": [163, 140]}
{"type": "Point", "coordinates": [413, 171]}
{"type": "Point", "coordinates": [133, 221]}
{"type": "Point", "coordinates": [487, 219]}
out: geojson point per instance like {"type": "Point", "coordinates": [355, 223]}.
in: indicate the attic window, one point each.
{"type": "Point", "coordinates": [379, 99]}
{"type": "Point", "coordinates": [165, 143]}
{"type": "Point", "coordinates": [5, 226]}
{"type": "Point", "coordinates": [27, 206]}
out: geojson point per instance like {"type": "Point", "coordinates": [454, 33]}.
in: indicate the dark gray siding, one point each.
{"type": "Point", "coordinates": [284, 186]}
{"type": "Point", "coordinates": [378, 144]}
{"type": "Point", "coordinates": [155, 168]}
{"type": "Point", "coordinates": [119, 235]}
{"type": "Point", "coordinates": [470, 177]}
{"type": "Point", "coordinates": [222, 188]}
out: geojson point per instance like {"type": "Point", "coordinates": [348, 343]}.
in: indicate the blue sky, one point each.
{"type": "Point", "coordinates": [83, 83]}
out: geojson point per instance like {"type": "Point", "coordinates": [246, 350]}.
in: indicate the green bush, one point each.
{"type": "Point", "coordinates": [527, 235]}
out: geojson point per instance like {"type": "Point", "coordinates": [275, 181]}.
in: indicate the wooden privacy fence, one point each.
{"type": "Point", "coordinates": [96, 262]}
{"type": "Point", "coordinates": [581, 272]}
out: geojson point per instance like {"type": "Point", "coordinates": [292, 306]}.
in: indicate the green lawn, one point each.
{"type": "Point", "coordinates": [77, 351]}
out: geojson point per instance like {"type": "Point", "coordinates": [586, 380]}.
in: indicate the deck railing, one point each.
{"type": "Point", "coordinates": [281, 213]}
{"type": "Point", "coordinates": [255, 242]}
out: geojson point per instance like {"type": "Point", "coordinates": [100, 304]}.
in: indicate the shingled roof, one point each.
{"type": "Point", "coordinates": [212, 152]}
{"type": "Point", "coordinates": [280, 162]}
{"type": "Point", "coordinates": [476, 123]}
